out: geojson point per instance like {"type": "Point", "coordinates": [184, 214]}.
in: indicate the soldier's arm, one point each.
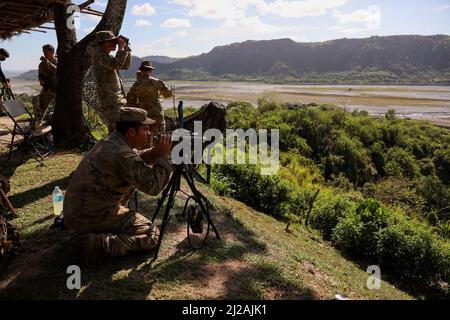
{"type": "Point", "coordinates": [150, 180]}
{"type": "Point", "coordinates": [163, 89]}
{"type": "Point", "coordinates": [41, 74]}
{"type": "Point", "coordinates": [127, 63]}
{"type": "Point", "coordinates": [132, 101]}
{"type": "Point", "coordinates": [112, 63]}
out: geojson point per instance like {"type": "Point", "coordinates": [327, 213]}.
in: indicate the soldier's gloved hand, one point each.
{"type": "Point", "coordinates": [163, 147]}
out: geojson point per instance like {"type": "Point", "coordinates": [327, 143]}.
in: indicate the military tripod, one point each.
{"type": "Point", "coordinates": [196, 214]}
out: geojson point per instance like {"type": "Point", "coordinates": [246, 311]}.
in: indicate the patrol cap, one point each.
{"type": "Point", "coordinates": [138, 115]}
{"type": "Point", "coordinates": [103, 36]}
{"type": "Point", "coordinates": [146, 65]}
{"type": "Point", "coordinates": [4, 52]}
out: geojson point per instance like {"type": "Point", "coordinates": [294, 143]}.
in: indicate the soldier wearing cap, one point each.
{"type": "Point", "coordinates": [47, 79]}
{"type": "Point", "coordinates": [3, 56]}
{"type": "Point", "coordinates": [98, 191]}
{"type": "Point", "coordinates": [111, 95]}
{"type": "Point", "coordinates": [146, 93]}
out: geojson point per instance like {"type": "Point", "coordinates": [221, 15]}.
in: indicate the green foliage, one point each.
{"type": "Point", "coordinates": [442, 163]}
{"type": "Point", "coordinates": [396, 191]}
{"type": "Point", "coordinates": [434, 191]}
{"type": "Point", "coordinates": [399, 162]}
{"type": "Point", "coordinates": [241, 115]}
{"type": "Point", "coordinates": [401, 168]}
{"type": "Point", "coordinates": [328, 211]}
{"type": "Point", "coordinates": [410, 250]}
{"type": "Point", "coordinates": [357, 234]}
{"type": "Point", "coordinates": [270, 194]}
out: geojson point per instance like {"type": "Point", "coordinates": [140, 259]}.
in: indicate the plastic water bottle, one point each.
{"type": "Point", "coordinates": [58, 199]}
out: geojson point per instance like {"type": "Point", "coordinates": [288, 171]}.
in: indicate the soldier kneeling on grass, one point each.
{"type": "Point", "coordinates": [100, 188]}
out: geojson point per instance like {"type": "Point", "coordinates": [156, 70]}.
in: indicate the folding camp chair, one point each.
{"type": "Point", "coordinates": [26, 128]}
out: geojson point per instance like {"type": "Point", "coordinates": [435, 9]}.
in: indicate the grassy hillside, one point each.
{"type": "Point", "coordinates": [257, 259]}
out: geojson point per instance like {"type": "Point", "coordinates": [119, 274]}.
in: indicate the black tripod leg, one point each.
{"type": "Point", "coordinates": [201, 197]}
{"type": "Point", "coordinates": [163, 197]}
{"type": "Point", "coordinates": [165, 219]}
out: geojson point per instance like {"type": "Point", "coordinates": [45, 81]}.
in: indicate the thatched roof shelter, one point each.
{"type": "Point", "coordinates": [27, 16]}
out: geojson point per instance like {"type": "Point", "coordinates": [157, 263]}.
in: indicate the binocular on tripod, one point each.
{"type": "Point", "coordinates": [197, 206]}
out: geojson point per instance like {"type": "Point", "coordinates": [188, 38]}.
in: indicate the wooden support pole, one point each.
{"type": "Point", "coordinates": [6, 201]}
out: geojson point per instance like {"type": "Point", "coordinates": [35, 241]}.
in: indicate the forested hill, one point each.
{"type": "Point", "coordinates": [393, 59]}
{"type": "Point", "coordinates": [415, 59]}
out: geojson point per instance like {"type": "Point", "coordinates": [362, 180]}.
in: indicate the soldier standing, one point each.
{"type": "Point", "coordinates": [47, 79]}
{"type": "Point", "coordinates": [3, 81]}
{"type": "Point", "coordinates": [3, 56]}
{"type": "Point", "coordinates": [111, 96]}
{"type": "Point", "coordinates": [97, 194]}
{"type": "Point", "coordinates": [146, 93]}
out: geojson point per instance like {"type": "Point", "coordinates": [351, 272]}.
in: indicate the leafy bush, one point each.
{"type": "Point", "coordinates": [357, 233]}
{"type": "Point", "coordinates": [270, 194]}
{"type": "Point", "coordinates": [327, 213]}
{"type": "Point", "coordinates": [410, 250]}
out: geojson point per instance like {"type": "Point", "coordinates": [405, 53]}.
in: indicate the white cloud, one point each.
{"type": "Point", "coordinates": [358, 16]}
{"type": "Point", "coordinates": [249, 25]}
{"type": "Point", "coordinates": [163, 47]}
{"type": "Point", "coordinates": [182, 33]}
{"type": "Point", "coordinates": [371, 17]}
{"type": "Point", "coordinates": [236, 9]}
{"type": "Point", "coordinates": [142, 23]}
{"type": "Point", "coordinates": [176, 23]}
{"type": "Point", "coordinates": [143, 10]}
{"type": "Point", "coordinates": [299, 9]}
{"type": "Point", "coordinates": [443, 8]}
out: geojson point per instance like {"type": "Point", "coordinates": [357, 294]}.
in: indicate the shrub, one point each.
{"type": "Point", "coordinates": [269, 194]}
{"type": "Point", "coordinates": [411, 250]}
{"type": "Point", "coordinates": [327, 213]}
{"type": "Point", "coordinates": [357, 233]}
{"type": "Point", "coordinates": [268, 102]}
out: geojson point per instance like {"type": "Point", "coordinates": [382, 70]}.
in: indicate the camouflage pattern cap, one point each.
{"type": "Point", "coordinates": [103, 36]}
{"type": "Point", "coordinates": [138, 115]}
{"type": "Point", "coordinates": [146, 65]}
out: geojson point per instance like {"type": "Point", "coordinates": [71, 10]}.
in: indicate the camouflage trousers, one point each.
{"type": "Point", "coordinates": [123, 233]}
{"type": "Point", "coordinates": [42, 102]}
{"type": "Point", "coordinates": [109, 115]}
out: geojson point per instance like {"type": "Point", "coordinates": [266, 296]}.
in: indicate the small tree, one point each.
{"type": "Point", "coordinates": [74, 61]}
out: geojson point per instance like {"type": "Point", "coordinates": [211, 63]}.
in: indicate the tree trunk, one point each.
{"type": "Point", "coordinates": [69, 128]}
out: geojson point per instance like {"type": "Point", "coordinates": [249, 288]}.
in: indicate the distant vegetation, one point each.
{"type": "Point", "coordinates": [384, 183]}
{"type": "Point", "coordinates": [376, 60]}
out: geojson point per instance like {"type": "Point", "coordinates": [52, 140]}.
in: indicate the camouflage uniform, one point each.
{"type": "Point", "coordinates": [145, 93]}
{"type": "Point", "coordinates": [47, 77]}
{"type": "Point", "coordinates": [100, 187]}
{"type": "Point", "coordinates": [111, 96]}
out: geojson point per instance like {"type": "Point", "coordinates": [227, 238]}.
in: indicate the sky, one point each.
{"type": "Point", "coordinates": [181, 28]}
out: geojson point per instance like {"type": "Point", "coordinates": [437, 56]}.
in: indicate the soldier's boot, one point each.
{"type": "Point", "coordinates": [94, 250]}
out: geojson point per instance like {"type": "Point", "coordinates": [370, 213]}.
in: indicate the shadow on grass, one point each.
{"type": "Point", "coordinates": [18, 158]}
{"type": "Point", "coordinates": [24, 198]}
{"type": "Point", "coordinates": [220, 270]}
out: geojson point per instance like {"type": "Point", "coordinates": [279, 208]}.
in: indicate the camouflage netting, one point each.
{"type": "Point", "coordinates": [212, 116]}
